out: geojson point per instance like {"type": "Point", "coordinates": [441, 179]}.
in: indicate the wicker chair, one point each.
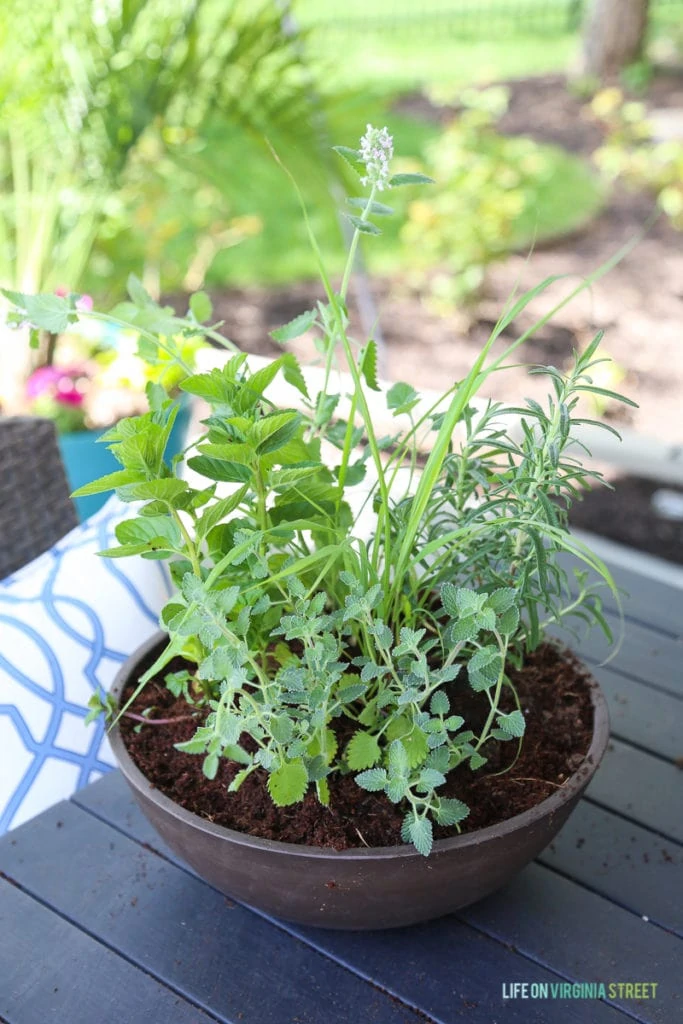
{"type": "Point", "coordinates": [35, 507]}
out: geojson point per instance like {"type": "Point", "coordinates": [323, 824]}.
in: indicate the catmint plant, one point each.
{"type": "Point", "coordinates": [292, 623]}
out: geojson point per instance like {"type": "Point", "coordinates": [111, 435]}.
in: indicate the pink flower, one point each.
{"type": "Point", "coordinates": [83, 302]}
{"type": "Point", "coordinates": [63, 384]}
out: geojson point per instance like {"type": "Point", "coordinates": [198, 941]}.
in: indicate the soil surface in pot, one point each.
{"type": "Point", "coordinates": [554, 693]}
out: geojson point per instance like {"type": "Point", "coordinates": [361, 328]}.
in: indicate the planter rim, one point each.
{"type": "Point", "coordinates": [541, 810]}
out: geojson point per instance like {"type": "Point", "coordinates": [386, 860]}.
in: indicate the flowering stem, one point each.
{"type": "Point", "coordinates": [354, 246]}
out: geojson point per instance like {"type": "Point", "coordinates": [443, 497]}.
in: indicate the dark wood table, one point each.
{"type": "Point", "coordinates": [100, 923]}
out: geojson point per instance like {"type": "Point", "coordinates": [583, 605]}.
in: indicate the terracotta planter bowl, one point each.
{"type": "Point", "coordinates": [356, 889]}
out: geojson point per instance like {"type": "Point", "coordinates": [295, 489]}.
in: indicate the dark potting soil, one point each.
{"type": "Point", "coordinates": [554, 693]}
{"type": "Point", "coordinates": [629, 515]}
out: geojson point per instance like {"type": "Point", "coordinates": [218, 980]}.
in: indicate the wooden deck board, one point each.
{"type": "Point", "coordinates": [53, 973]}
{"type": "Point", "coordinates": [556, 921]}
{"type": "Point", "coordinates": [446, 933]}
{"type": "Point", "coordinates": [641, 787]}
{"type": "Point", "coordinates": [640, 715]}
{"type": "Point", "coordinates": [625, 862]}
{"type": "Point", "coordinates": [216, 953]}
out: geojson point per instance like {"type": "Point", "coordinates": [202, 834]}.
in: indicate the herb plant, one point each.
{"type": "Point", "coordinates": [294, 620]}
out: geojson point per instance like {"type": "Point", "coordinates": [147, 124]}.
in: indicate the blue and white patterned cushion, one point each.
{"type": "Point", "coordinates": [67, 622]}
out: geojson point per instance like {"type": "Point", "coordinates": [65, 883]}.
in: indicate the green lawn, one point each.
{"type": "Point", "coordinates": [280, 252]}
{"type": "Point", "coordinates": [399, 63]}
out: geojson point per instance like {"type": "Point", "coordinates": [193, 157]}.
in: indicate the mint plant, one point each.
{"type": "Point", "coordinates": [293, 623]}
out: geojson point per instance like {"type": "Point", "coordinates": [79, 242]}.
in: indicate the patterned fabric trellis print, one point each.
{"type": "Point", "coordinates": [67, 622]}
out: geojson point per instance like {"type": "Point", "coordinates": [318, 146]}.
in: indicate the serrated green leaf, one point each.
{"type": "Point", "coordinates": [368, 365]}
{"type": "Point", "coordinates": [439, 704]}
{"type": "Point", "coordinates": [322, 789]}
{"type": "Point", "coordinates": [167, 489]}
{"type": "Point", "coordinates": [463, 629]}
{"type": "Point", "coordinates": [512, 724]}
{"type": "Point", "coordinates": [138, 293]}
{"type": "Point", "coordinates": [430, 778]}
{"type": "Point", "coordinates": [288, 784]}
{"type": "Point", "coordinates": [290, 476]}
{"type": "Point", "coordinates": [409, 640]}
{"type": "Point", "coordinates": [109, 483]}
{"type": "Point", "coordinates": [350, 156]}
{"type": "Point", "coordinates": [419, 832]}
{"type": "Point", "coordinates": [196, 745]}
{"type": "Point", "coordinates": [281, 728]}
{"type": "Point", "coordinates": [365, 227]}
{"type": "Point", "coordinates": [362, 751]}
{"type": "Point", "coordinates": [315, 747]}
{"type": "Point", "coordinates": [50, 313]}
{"type": "Point", "coordinates": [238, 780]}
{"type": "Point", "coordinates": [361, 203]}
{"type": "Point", "coordinates": [219, 386]}
{"type": "Point", "coordinates": [296, 327]}
{"type": "Point", "coordinates": [413, 739]}
{"type": "Point", "coordinates": [382, 634]}
{"type": "Point", "coordinates": [454, 722]}
{"type": "Point", "coordinates": [369, 714]}
{"type": "Point", "coordinates": [449, 600]}
{"type": "Point", "coordinates": [219, 511]}
{"type": "Point", "coordinates": [201, 307]}
{"type": "Point", "coordinates": [508, 621]}
{"type": "Point", "coordinates": [397, 180]}
{"type": "Point", "coordinates": [450, 811]}
{"type": "Point", "coordinates": [210, 766]}
{"type": "Point", "coordinates": [325, 405]}
{"type": "Point", "coordinates": [373, 780]}
{"type": "Point", "coordinates": [217, 469]}
{"type": "Point", "coordinates": [399, 762]}
{"type": "Point", "coordinates": [291, 371]}
{"type": "Point", "coordinates": [417, 747]}
{"type": "Point", "coordinates": [273, 432]}
{"type": "Point", "coordinates": [486, 619]}
{"type": "Point", "coordinates": [401, 398]}
{"type": "Point", "coordinates": [234, 752]}
{"type": "Point", "coordinates": [396, 788]}
{"type": "Point", "coordinates": [159, 534]}
{"type": "Point", "coordinates": [350, 692]}
{"type": "Point", "coordinates": [484, 668]}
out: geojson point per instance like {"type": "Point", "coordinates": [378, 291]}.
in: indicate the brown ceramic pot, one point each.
{"type": "Point", "coordinates": [355, 889]}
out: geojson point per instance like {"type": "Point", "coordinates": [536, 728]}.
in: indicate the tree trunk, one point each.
{"type": "Point", "coordinates": [614, 34]}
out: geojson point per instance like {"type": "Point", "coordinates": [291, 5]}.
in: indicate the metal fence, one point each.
{"type": "Point", "coordinates": [473, 18]}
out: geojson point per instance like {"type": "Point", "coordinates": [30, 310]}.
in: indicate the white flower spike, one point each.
{"type": "Point", "coordinates": [376, 151]}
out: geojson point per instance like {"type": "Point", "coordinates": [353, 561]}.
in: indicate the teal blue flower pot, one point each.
{"type": "Point", "coordinates": [85, 460]}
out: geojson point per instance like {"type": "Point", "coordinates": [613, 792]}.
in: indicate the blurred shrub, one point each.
{"type": "Point", "coordinates": [631, 153]}
{"type": "Point", "coordinates": [493, 194]}
{"type": "Point", "coordinates": [93, 93]}
{"type": "Point", "coordinates": [169, 219]}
